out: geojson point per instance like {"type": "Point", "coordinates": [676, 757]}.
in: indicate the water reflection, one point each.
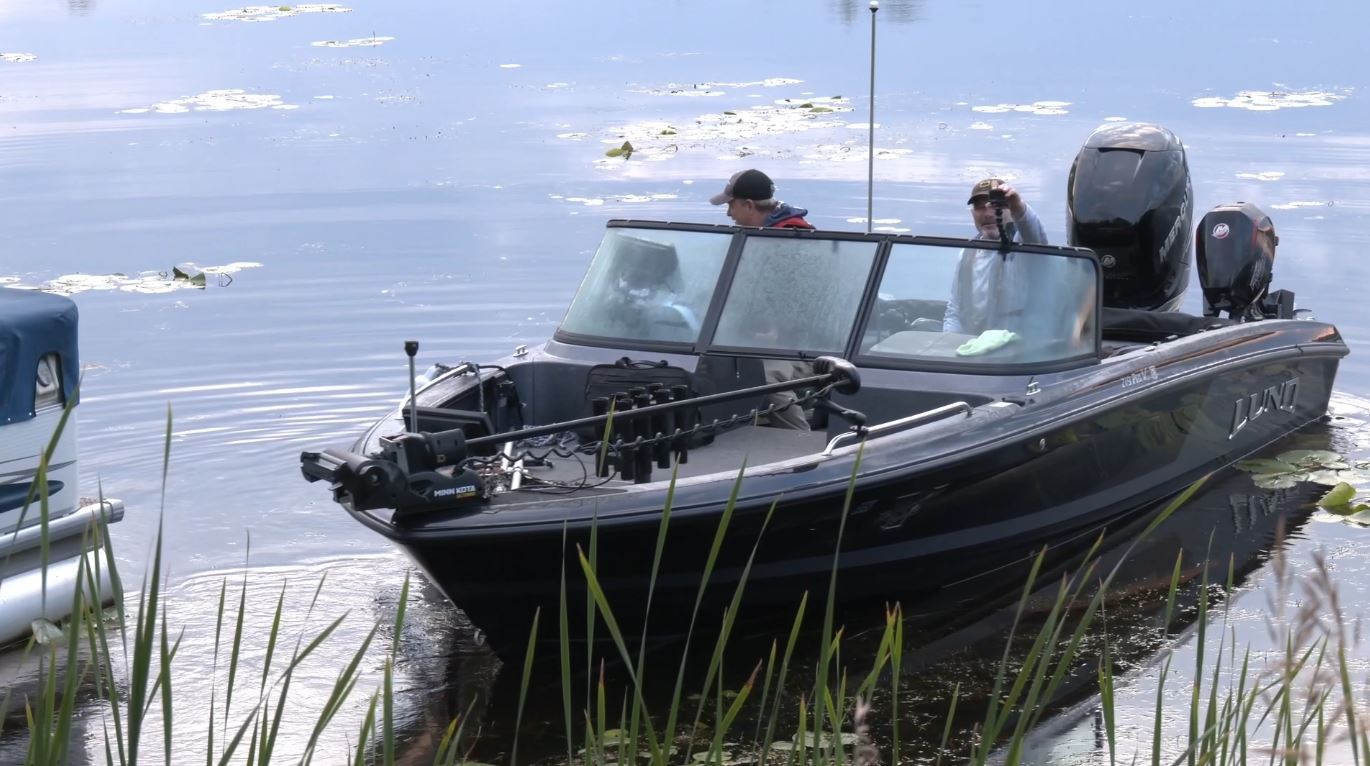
{"type": "Point", "coordinates": [897, 11]}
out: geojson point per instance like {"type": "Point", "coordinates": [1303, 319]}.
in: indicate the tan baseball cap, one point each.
{"type": "Point", "coordinates": [981, 188]}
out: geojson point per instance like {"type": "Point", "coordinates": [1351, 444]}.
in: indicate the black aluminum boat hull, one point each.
{"type": "Point", "coordinates": [928, 507]}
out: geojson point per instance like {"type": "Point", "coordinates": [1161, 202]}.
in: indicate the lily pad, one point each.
{"type": "Point", "coordinates": [613, 738]}
{"type": "Point", "coordinates": [1340, 495]}
{"type": "Point", "coordinates": [45, 631]}
{"type": "Point", "coordinates": [1260, 466]}
{"type": "Point", "coordinates": [823, 740]}
{"type": "Point", "coordinates": [1289, 468]}
{"type": "Point", "coordinates": [1313, 457]}
{"type": "Point", "coordinates": [624, 151]}
{"type": "Point", "coordinates": [1275, 481]}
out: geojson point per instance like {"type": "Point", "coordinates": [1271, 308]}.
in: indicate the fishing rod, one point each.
{"type": "Point", "coordinates": [870, 149]}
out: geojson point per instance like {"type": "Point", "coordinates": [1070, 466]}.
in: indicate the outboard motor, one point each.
{"type": "Point", "coordinates": [1130, 201]}
{"type": "Point", "coordinates": [1236, 262]}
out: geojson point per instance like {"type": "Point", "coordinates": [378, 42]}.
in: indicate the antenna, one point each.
{"type": "Point", "coordinates": [870, 159]}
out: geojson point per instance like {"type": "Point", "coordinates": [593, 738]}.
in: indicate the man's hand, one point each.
{"type": "Point", "coordinates": [1016, 206]}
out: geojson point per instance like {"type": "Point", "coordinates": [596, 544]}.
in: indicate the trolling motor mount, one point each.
{"type": "Point", "coordinates": [412, 473]}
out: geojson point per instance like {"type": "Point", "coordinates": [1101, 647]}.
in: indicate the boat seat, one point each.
{"type": "Point", "coordinates": [716, 374]}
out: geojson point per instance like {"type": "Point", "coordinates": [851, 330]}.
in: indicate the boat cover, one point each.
{"type": "Point", "coordinates": [33, 324]}
{"type": "Point", "coordinates": [1147, 326]}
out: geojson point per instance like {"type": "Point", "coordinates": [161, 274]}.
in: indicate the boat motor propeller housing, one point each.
{"type": "Point", "coordinates": [1129, 199]}
{"type": "Point", "coordinates": [1236, 247]}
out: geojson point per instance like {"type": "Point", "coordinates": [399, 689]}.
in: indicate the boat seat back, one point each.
{"type": "Point", "coordinates": [718, 374]}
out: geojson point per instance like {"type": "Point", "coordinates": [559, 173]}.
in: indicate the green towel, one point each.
{"type": "Point", "coordinates": [985, 342]}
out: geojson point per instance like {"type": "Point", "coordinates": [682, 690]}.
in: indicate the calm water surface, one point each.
{"type": "Point", "coordinates": [441, 176]}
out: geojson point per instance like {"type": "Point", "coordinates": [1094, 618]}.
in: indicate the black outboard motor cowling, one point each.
{"type": "Point", "coordinates": [1236, 262]}
{"type": "Point", "coordinates": [1130, 200]}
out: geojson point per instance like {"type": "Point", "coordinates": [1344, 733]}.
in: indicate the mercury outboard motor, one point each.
{"type": "Point", "coordinates": [1236, 262]}
{"type": "Point", "coordinates": [1130, 201]}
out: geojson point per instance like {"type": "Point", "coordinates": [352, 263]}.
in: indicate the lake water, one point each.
{"type": "Point", "coordinates": [437, 171]}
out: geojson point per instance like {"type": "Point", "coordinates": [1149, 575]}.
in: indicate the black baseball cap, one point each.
{"type": "Point", "coordinates": [746, 184]}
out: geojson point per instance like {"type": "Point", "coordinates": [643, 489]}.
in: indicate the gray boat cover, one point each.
{"type": "Point", "coordinates": [32, 325]}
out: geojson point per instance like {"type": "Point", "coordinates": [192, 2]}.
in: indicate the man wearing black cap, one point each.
{"type": "Point", "coordinates": [981, 276]}
{"type": "Point", "coordinates": [750, 197]}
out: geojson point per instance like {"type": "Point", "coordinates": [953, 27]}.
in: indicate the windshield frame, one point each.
{"type": "Point", "coordinates": [885, 243]}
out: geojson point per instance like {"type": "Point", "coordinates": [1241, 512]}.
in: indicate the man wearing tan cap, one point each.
{"type": "Point", "coordinates": [980, 276]}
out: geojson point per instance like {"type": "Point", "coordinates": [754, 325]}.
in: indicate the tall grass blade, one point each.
{"type": "Point", "coordinates": [564, 642]}
{"type": "Point", "coordinates": [657, 554]}
{"type": "Point", "coordinates": [825, 651]}
{"type": "Point", "coordinates": [523, 684]}
{"type": "Point", "coordinates": [790, 643]}
{"type": "Point", "coordinates": [720, 533]}
{"type": "Point", "coordinates": [946, 726]}
{"type": "Point", "coordinates": [364, 734]}
{"type": "Point", "coordinates": [729, 617]}
{"type": "Point", "coordinates": [611, 624]}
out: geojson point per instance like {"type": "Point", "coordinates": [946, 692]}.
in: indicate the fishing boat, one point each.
{"type": "Point", "coordinates": [46, 527]}
{"type": "Point", "coordinates": [805, 389]}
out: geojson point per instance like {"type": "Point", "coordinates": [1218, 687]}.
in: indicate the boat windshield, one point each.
{"type": "Point", "coordinates": [981, 307]}
{"type": "Point", "coordinates": [650, 285]}
{"type": "Point", "coordinates": [792, 294]}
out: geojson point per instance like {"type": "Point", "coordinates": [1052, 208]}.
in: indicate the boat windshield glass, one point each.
{"type": "Point", "coordinates": [649, 285]}
{"type": "Point", "coordinates": [982, 307]}
{"type": "Point", "coordinates": [791, 294]}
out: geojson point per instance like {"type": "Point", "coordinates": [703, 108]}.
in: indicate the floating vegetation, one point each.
{"type": "Point", "coordinates": [356, 42]}
{"type": "Point", "coordinates": [657, 140]}
{"type": "Point", "coordinates": [1301, 204]}
{"type": "Point", "coordinates": [852, 152]}
{"type": "Point", "coordinates": [770, 82]}
{"type": "Point", "coordinates": [1269, 101]}
{"type": "Point", "coordinates": [625, 151]}
{"type": "Point", "coordinates": [1264, 175]}
{"type": "Point", "coordinates": [1317, 466]}
{"type": "Point", "coordinates": [1036, 107]}
{"type": "Point", "coordinates": [148, 282]}
{"type": "Point", "coordinates": [1341, 505]}
{"type": "Point", "coordinates": [215, 101]}
{"type": "Point", "coordinates": [18, 58]}
{"type": "Point", "coordinates": [629, 198]}
{"type": "Point", "coordinates": [273, 12]}
{"type": "Point", "coordinates": [710, 89]}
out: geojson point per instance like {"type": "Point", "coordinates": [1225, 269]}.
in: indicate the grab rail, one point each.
{"type": "Point", "coordinates": [928, 416]}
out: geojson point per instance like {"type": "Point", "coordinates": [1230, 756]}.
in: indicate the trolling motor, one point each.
{"type": "Point", "coordinates": [413, 472]}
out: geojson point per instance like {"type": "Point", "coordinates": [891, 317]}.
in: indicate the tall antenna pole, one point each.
{"type": "Point", "coordinates": [870, 160]}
